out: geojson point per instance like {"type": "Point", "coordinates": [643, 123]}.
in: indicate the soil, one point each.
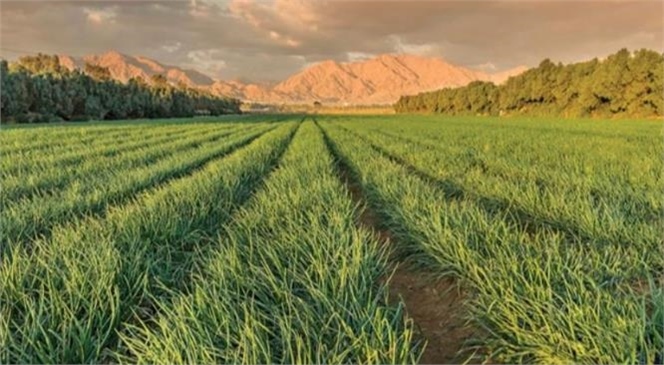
{"type": "Point", "coordinates": [435, 305]}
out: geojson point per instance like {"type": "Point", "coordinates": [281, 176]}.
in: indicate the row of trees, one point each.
{"type": "Point", "coordinates": [39, 89]}
{"type": "Point", "coordinates": [624, 84]}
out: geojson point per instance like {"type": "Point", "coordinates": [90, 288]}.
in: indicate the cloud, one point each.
{"type": "Point", "coordinates": [358, 56]}
{"type": "Point", "coordinates": [486, 67]}
{"type": "Point", "coordinates": [207, 60]}
{"type": "Point", "coordinates": [170, 48]}
{"type": "Point", "coordinates": [270, 39]}
{"type": "Point", "coordinates": [199, 9]}
{"type": "Point", "coordinates": [301, 15]}
{"type": "Point", "coordinates": [281, 21]}
{"type": "Point", "coordinates": [290, 42]}
{"type": "Point", "coordinates": [101, 16]}
{"type": "Point", "coordinates": [293, 15]}
{"type": "Point", "coordinates": [280, 39]}
{"type": "Point", "coordinates": [422, 49]}
{"type": "Point", "coordinates": [249, 11]}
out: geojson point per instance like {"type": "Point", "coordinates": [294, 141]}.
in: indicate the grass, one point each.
{"type": "Point", "coordinates": [235, 240]}
{"type": "Point", "coordinates": [555, 277]}
{"type": "Point", "coordinates": [291, 281]}
{"type": "Point", "coordinates": [30, 217]}
{"type": "Point", "coordinates": [70, 293]}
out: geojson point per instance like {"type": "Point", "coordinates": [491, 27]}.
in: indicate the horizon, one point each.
{"type": "Point", "coordinates": [373, 57]}
{"type": "Point", "coordinates": [272, 82]}
{"type": "Point", "coordinates": [269, 43]}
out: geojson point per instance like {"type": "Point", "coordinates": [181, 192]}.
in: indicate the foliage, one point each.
{"type": "Point", "coordinates": [234, 239]}
{"type": "Point", "coordinates": [554, 227]}
{"type": "Point", "coordinates": [292, 281]}
{"type": "Point", "coordinates": [624, 85]}
{"type": "Point", "coordinates": [271, 280]}
{"type": "Point", "coordinates": [39, 89]}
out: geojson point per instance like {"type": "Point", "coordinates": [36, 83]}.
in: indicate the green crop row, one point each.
{"type": "Point", "coordinates": [18, 141]}
{"type": "Point", "coordinates": [53, 177]}
{"type": "Point", "coordinates": [66, 298]}
{"type": "Point", "coordinates": [52, 141]}
{"type": "Point", "coordinates": [236, 240]}
{"type": "Point", "coordinates": [291, 280]}
{"type": "Point", "coordinates": [74, 152]}
{"type": "Point", "coordinates": [609, 218]}
{"type": "Point", "coordinates": [539, 297]}
{"type": "Point", "coordinates": [29, 218]}
{"type": "Point", "coordinates": [577, 160]}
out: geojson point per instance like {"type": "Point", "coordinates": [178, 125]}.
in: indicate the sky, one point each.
{"type": "Point", "coordinates": [267, 40]}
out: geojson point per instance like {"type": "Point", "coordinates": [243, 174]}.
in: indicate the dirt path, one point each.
{"type": "Point", "coordinates": [435, 305]}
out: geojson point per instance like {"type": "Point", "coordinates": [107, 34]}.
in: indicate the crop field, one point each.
{"type": "Point", "coordinates": [332, 239]}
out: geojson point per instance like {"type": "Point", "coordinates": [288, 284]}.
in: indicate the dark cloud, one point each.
{"type": "Point", "coordinates": [268, 40]}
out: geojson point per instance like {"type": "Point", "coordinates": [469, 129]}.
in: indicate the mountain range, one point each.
{"type": "Point", "coordinates": [379, 80]}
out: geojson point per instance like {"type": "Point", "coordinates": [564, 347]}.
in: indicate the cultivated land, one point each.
{"type": "Point", "coordinates": [332, 239]}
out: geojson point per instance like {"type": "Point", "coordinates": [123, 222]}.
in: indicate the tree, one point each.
{"type": "Point", "coordinates": [39, 89]}
{"type": "Point", "coordinates": [7, 94]}
{"type": "Point", "coordinates": [97, 73]}
{"type": "Point", "coordinates": [159, 80]}
{"type": "Point", "coordinates": [40, 64]}
{"type": "Point", "coordinates": [623, 84]}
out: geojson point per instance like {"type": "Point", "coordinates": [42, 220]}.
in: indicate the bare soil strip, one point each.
{"type": "Point", "coordinates": [435, 305]}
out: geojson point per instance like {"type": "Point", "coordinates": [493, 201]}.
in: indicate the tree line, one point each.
{"type": "Point", "coordinates": [624, 84]}
{"type": "Point", "coordinates": [39, 89]}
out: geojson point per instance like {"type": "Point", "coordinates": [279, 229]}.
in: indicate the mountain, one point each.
{"type": "Point", "coordinates": [123, 67]}
{"type": "Point", "coordinates": [376, 81]}
{"type": "Point", "coordinates": [380, 80]}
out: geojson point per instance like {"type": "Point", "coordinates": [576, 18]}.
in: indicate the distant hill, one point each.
{"type": "Point", "coordinates": [380, 80]}
{"type": "Point", "coordinates": [123, 67]}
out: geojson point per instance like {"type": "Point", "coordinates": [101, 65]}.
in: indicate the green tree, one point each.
{"type": "Point", "coordinates": [623, 84]}
{"type": "Point", "coordinates": [97, 73]}
{"type": "Point", "coordinates": [37, 88]}
{"type": "Point", "coordinates": [40, 64]}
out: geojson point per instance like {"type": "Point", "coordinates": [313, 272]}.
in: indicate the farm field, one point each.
{"type": "Point", "coordinates": [332, 239]}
